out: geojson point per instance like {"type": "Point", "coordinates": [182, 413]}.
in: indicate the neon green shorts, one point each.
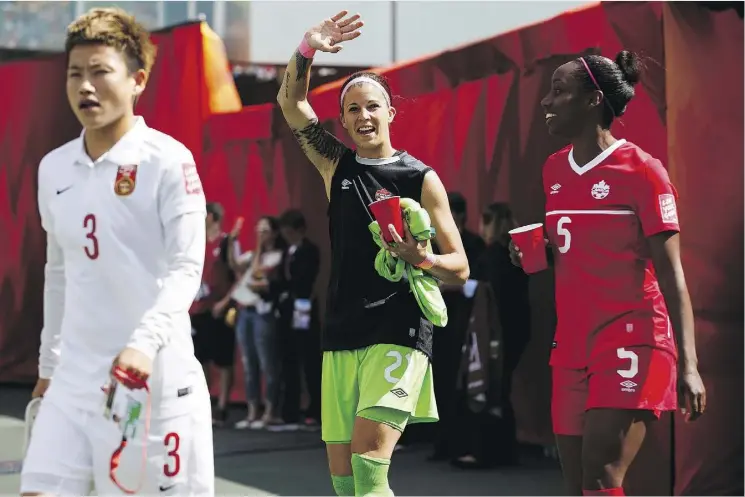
{"type": "Point", "coordinates": [389, 384]}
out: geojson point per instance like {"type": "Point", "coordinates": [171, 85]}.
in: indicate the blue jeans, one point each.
{"type": "Point", "coordinates": [256, 338]}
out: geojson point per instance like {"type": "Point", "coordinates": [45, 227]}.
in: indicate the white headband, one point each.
{"type": "Point", "coordinates": [364, 79]}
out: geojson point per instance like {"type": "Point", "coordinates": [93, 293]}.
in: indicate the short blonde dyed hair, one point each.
{"type": "Point", "coordinates": [113, 27]}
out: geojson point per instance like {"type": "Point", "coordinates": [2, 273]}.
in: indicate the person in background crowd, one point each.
{"type": "Point", "coordinates": [473, 244]}
{"type": "Point", "coordinates": [510, 286]}
{"type": "Point", "coordinates": [623, 309]}
{"type": "Point", "coordinates": [299, 326]}
{"type": "Point", "coordinates": [376, 374]}
{"type": "Point", "coordinates": [256, 323]}
{"type": "Point", "coordinates": [214, 339]}
{"type": "Point", "coordinates": [447, 342]}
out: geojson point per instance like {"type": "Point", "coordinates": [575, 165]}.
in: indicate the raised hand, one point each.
{"type": "Point", "coordinates": [237, 227]}
{"type": "Point", "coordinates": [328, 35]}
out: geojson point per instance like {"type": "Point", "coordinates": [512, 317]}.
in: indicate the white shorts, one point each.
{"type": "Point", "coordinates": [70, 453]}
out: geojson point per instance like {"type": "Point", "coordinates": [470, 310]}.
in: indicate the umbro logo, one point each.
{"type": "Point", "coordinates": [346, 184]}
{"type": "Point", "coordinates": [63, 190]}
{"type": "Point", "coordinates": [628, 386]}
{"type": "Point", "coordinates": [399, 393]}
{"type": "Point", "coordinates": [555, 189]}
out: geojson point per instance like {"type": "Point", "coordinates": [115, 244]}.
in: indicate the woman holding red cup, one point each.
{"type": "Point", "coordinates": [376, 343]}
{"type": "Point", "coordinates": [624, 349]}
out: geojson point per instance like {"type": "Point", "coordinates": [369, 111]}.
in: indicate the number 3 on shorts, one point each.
{"type": "Point", "coordinates": [172, 465]}
{"type": "Point", "coordinates": [397, 360]}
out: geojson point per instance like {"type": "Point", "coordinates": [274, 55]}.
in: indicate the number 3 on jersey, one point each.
{"type": "Point", "coordinates": [89, 224]}
{"type": "Point", "coordinates": [564, 233]}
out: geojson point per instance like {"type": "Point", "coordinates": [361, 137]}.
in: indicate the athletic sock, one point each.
{"type": "Point", "coordinates": [607, 491]}
{"type": "Point", "coordinates": [371, 476]}
{"type": "Point", "coordinates": [343, 485]}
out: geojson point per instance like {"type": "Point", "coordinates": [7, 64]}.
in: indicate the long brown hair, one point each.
{"type": "Point", "coordinates": [500, 216]}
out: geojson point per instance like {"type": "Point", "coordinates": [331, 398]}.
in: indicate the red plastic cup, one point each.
{"type": "Point", "coordinates": [529, 239]}
{"type": "Point", "coordinates": [388, 211]}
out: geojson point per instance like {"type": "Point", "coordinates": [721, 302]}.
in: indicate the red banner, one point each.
{"type": "Point", "coordinates": [35, 119]}
{"type": "Point", "coordinates": [704, 51]}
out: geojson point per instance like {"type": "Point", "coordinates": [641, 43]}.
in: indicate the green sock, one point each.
{"type": "Point", "coordinates": [343, 485]}
{"type": "Point", "coordinates": [371, 476]}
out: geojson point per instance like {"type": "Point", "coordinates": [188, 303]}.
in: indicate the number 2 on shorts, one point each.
{"type": "Point", "coordinates": [397, 360]}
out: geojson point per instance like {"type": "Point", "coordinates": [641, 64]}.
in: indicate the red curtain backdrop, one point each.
{"type": "Point", "coordinates": [705, 134]}
{"type": "Point", "coordinates": [471, 113]}
{"type": "Point", "coordinates": [187, 85]}
{"type": "Point", "coordinates": [35, 119]}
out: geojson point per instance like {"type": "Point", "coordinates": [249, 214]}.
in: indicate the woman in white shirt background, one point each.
{"type": "Point", "coordinates": [256, 323]}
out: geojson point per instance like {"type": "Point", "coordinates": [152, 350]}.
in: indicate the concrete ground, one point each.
{"type": "Point", "coordinates": [265, 463]}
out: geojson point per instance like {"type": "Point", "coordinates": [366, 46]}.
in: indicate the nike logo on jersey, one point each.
{"type": "Point", "coordinates": [63, 190]}
{"type": "Point", "coordinates": [164, 488]}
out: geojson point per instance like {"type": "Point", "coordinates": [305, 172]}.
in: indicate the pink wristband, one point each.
{"type": "Point", "coordinates": [306, 50]}
{"type": "Point", "coordinates": [428, 262]}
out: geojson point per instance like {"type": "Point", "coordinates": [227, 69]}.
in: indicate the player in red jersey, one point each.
{"type": "Point", "coordinates": [214, 339]}
{"type": "Point", "coordinates": [621, 297]}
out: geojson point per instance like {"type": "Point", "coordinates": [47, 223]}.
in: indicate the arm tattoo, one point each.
{"type": "Point", "coordinates": [314, 137]}
{"type": "Point", "coordinates": [301, 66]}
{"type": "Point", "coordinates": [287, 84]}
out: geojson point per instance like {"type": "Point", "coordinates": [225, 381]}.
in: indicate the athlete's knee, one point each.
{"type": "Point", "coordinates": [377, 431]}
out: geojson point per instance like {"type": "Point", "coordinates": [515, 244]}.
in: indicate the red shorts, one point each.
{"type": "Point", "coordinates": [632, 378]}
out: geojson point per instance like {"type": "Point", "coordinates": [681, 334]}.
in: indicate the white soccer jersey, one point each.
{"type": "Point", "coordinates": [125, 251]}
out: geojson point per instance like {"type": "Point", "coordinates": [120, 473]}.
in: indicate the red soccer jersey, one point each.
{"type": "Point", "coordinates": [217, 277]}
{"type": "Point", "coordinates": [598, 218]}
